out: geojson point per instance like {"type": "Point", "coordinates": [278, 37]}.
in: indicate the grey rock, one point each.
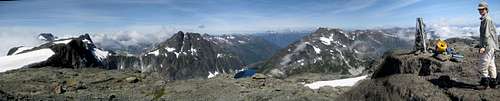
{"type": "Point", "coordinates": [132, 79]}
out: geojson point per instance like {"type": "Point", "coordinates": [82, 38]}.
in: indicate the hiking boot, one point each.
{"type": "Point", "coordinates": [483, 84]}
{"type": "Point", "coordinates": [493, 83]}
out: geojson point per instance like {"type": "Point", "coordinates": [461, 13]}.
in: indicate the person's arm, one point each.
{"type": "Point", "coordinates": [483, 34]}
{"type": "Point", "coordinates": [493, 31]}
{"type": "Point", "coordinates": [490, 33]}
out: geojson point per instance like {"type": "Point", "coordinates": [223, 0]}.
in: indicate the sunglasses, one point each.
{"type": "Point", "coordinates": [481, 9]}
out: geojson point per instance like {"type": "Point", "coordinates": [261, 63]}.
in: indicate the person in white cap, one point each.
{"type": "Point", "coordinates": [488, 43]}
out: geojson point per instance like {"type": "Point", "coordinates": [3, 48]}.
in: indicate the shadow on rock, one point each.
{"type": "Point", "coordinates": [445, 82]}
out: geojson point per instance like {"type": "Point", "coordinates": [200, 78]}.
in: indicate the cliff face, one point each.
{"type": "Point", "coordinates": [404, 76]}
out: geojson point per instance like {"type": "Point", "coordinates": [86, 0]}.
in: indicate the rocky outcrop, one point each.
{"type": "Point", "coordinates": [404, 76]}
{"type": "Point", "coordinates": [46, 37]}
{"type": "Point", "coordinates": [14, 50]}
{"type": "Point", "coordinates": [400, 87]}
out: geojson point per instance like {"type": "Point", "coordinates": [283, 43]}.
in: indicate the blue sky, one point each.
{"type": "Point", "coordinates": [229, 16]}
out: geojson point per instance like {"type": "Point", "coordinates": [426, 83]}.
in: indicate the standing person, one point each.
{"type": "Point", "coordinates": [488, 44]}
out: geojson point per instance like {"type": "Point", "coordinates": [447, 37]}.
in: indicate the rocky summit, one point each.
{"type": "Point", "coordinates": [402, 75]}
{"type": "Point", "coordinates": [54, 83]}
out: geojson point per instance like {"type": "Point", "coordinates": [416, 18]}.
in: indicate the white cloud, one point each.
{"type": "Point", "coordinates": [393, 5]}
{"type": "Point", "coordinates": [133, 36]}
{"type": "Point", "coordinates": [398, 4]}
{"type": "Point", "coordinates": [354, 5]}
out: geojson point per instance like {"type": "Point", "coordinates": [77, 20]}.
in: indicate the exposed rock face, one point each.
{"type": "Point", "coordinates": [120, 61]}
{"type": "Point", "coordinates": [403, 76]}
{"type": "Point", "coordinates": [332, 51]}
{"type": "Point", "coordinates": [14, 50]}
{"type": "Point", "coordinates": [47, 37]}
{"type": "Point", "coordinates": [188, 56]}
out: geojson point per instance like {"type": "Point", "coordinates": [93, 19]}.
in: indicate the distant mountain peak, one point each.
{"type": "Point", "coordinates": [331, 50]}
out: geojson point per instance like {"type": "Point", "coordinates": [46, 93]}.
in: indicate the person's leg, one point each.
{"type": "Point", "coordinates": [492, 67]}
{"type": "Point", "coordinates": [493, 70]}
{"type": "Point", "coordinates": [483, 69]}
{"type": "Point", "coordinates": [484, 64]}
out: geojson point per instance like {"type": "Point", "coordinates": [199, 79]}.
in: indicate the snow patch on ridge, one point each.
{"type": "Point", "coordinates": [156, 52]}
{"type": "Point", "coordinates": [100, 54]}
{"type": "Point", "coordinates": [326, 41]}
{"type": "Point", "coordinates": [20, 60]}
{"type": "Point", "coordinates": [317, 50]}
{"type": "Point", "coordinates": [169, 49]}
{"type": "Point", "coordinates": [211, 75]}
{"type": "Point", "coordinates": [62, 41]}
{"type": "Point", "coordinates": [335, 83]}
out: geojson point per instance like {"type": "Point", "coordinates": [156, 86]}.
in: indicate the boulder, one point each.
{"type": "Point", "coordinates": [404, 76]}
{"type": "Point", "coordinates": [132, 79]}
